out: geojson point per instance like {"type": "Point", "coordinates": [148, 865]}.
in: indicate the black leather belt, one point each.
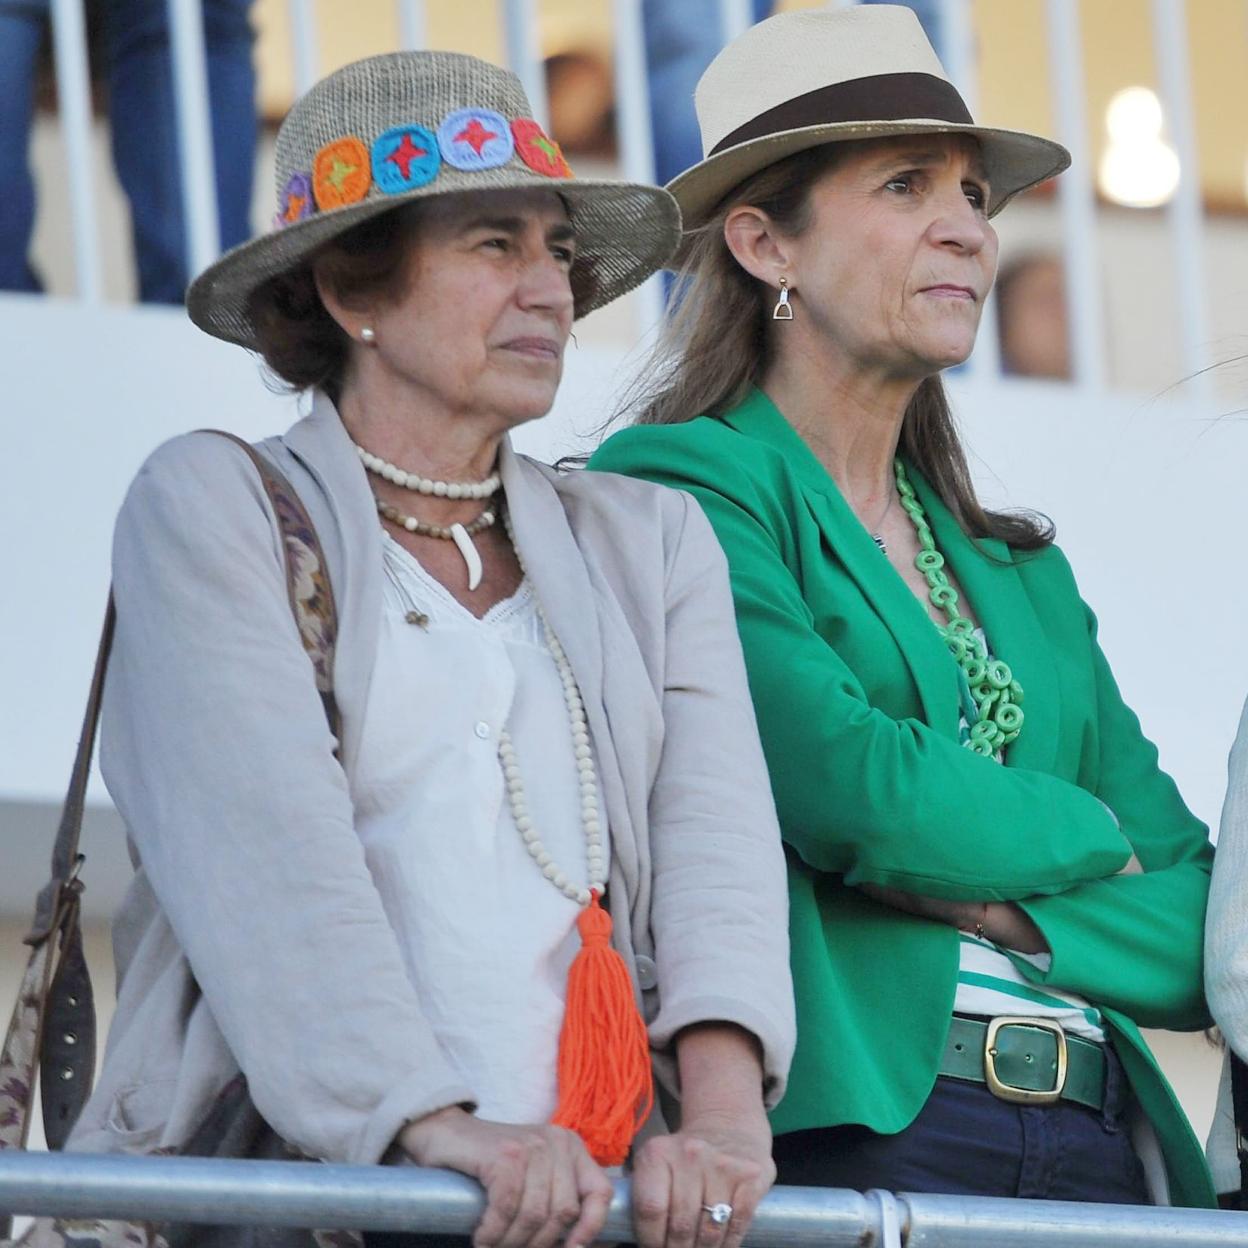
{"type": "Point", "coordinates": [1025, 1060]}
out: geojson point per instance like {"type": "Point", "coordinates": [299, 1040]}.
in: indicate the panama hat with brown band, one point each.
{"type": "Point", "coordinates": [802, 79]}
{"type": "Point", "coordinates": [393, 129]}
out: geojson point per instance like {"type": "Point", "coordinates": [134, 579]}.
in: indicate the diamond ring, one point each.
{"type": "Point", "coordinates": [719, 1214]}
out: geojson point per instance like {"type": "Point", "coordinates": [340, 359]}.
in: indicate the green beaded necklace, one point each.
{"type": "Point", "coordinates": [996, 697]}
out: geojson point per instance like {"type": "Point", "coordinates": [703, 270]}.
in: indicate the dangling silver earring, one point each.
{"type": "Point", "coordinates": [783, 311]}
{"type": "Point", "coordinates": [368, 336]}
{"type": "Point", "coordinates": [576, 344]}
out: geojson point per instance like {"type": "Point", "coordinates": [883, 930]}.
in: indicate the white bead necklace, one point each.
{"type": "Point", "coordinates": [460, 534]}
{"type": "Point", "coordinates": [586, 776]}
{"type": "Point", "coordinates": [426, 485]}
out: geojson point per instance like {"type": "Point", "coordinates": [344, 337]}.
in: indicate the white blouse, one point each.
{"type": "Point", "coordinates": [487, 940]}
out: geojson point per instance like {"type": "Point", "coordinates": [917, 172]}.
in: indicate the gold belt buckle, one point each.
{"type": "Point", "coordinates": [1008, 1091]}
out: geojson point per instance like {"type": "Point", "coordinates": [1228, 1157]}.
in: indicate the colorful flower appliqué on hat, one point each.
{"type": "Point", "coordinates": [404, 158]}
{"type": "Point", "coordinates": [296, 201]}
{"type": "Point", "coordinates": [341, 173]}
{"type": "Point", "coordinates": [537, 151]}
{"type": "Point", "coordinates": [476, 138]}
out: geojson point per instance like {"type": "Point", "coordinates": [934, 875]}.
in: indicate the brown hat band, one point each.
{"type": "Point", "coordinates": [881, 97]}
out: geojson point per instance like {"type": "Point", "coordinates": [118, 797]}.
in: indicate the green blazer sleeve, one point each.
{"type": "Point", "coordinates": [863, 793]}
{"type": "Point", "coordinates": [1134, 942]}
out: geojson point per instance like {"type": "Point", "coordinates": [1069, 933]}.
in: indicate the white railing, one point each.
{"type": "Point", "coordinates": [404, 1198]}
{"type": "Point", "coordinates": [520, 25]}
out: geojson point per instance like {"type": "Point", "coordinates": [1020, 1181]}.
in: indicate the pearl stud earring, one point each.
{"type": "Point", "coordinates": [368, 336]}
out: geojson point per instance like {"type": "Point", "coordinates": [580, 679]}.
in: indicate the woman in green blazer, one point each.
{"type": "Point", "coordinates": [976, 827]}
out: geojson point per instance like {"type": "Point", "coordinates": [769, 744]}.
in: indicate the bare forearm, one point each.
{"type": "Point", "coordinates": [721, 1071]}
{"type": "Point", "coordinates": [1002, 922]}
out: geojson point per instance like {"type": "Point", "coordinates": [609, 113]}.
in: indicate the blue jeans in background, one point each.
{"type": "Point", "coordinates": [144, 132]}
{"type": "Point", "coordinates": [682, 38]}
{"type": "Point", "coordinates": [21, 33]}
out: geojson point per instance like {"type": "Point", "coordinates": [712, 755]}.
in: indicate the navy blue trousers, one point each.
{"type": "Point", "coordinates": [967, 1142]}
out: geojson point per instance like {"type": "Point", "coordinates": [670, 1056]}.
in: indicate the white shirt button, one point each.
{"type": "Point", "coordinates": [482, 730]}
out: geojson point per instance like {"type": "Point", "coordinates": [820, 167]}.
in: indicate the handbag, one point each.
{"type": "Point", "coordinates": [52, 1029]}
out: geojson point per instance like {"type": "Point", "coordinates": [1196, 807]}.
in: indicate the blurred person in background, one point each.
{"type": "Point", "coordinates": [543, 735]}
{"type": "Point", "coordinates": [993, 885]}
{"type": "Point", "coordinates": [1032, 325]}
{"type": "Point", "coordinates": [143, 122]}
{"type": "Point", "coordinates": [681, 41]}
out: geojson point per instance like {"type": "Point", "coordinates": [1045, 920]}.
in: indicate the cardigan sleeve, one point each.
{"type": "Point", "coordinates": [1134, 942]}
{"type": "Point", "coordinates": [1226, 926]}
{"type": "Point", "coordinates": [217, 753]}
{"type": "Point", "coordinates": [719, 909]}
{"type": "Point", "coordinates": [859, 793]}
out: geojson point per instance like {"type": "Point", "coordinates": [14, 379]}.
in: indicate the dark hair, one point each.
{"type": "Point", "coordinates": [715, 345]}
{"type": "Point", "coordinates": [301, 343]}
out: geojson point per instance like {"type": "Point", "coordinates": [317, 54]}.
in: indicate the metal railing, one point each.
{"type": "Point", "coordinates": [520, 23]}
{"type": "Point", "coordinates": [397, 1198]}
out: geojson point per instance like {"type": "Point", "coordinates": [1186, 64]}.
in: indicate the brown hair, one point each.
{"type": "Point", "coordinates": [715, 345]}
{"type": "Point", "coordinates": [301, 343]}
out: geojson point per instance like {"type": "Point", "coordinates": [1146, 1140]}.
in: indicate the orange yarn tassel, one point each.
{"type": "Point", "coordinates": [605, 1085]}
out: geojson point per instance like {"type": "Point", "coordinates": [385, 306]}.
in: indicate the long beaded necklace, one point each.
{"type": "Point", "coordinates": [605, 1084]}
{"type": "Point", "coordinates": [586, 778]}
{"type": "Point", "coordinates": [997, 696]}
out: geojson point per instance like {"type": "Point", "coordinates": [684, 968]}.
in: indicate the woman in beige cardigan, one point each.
{"type": "Point", "coordinates": [374, 927]}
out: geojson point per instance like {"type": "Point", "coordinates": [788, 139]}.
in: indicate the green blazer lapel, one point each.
{"type": "Point", "coordinates": [987, 570]}
{"type": "Point", "coordinates": [931, 667]}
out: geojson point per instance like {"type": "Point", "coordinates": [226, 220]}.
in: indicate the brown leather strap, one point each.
{"type": "Point", "coordinates": [65, 1011]}
{"type": "Point", "coordinates": [65, 849]}
{"type": "Point", "coordinates": [54, 1020]}
{"type": "Point", "coordinates": [67, 1055]}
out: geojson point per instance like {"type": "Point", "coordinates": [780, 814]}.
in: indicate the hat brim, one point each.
{"type": "Point", "coordinates": [624, 233]}
{"type": "Point", "coordinates": [1014, 161]}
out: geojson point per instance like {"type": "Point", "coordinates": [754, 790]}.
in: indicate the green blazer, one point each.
{"type": "Point", "coordinates": [858, 706]}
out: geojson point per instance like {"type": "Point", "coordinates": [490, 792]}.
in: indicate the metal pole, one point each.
{"type": "Point", "coordinates": [522, 29]}
{"type": "Point", "coordinates": [735, 18]}
{"type": "Point", "coordinates": [376, 1198]}
{"type": "Point", "coordinates": [959, 51]}
{"type": "Point", "coordinates": [73, 94]}
{"type": "Point", "coordinates": [413, 33]}
{"type": "Point", "coordinates": [394, 1198]}
{"type": "Point", "coordinates": [1076, 193]}
{"type": "Point", "coordinates": [1185, 209]}
{"type": "Point", "coordinates": [191, 103]}
{"type": "Point", "coordinates": [984, 1222]}
{"type": "Point", "coordinates": [303, 37]}
{"type": "Point", "coordinates": [636, 141]}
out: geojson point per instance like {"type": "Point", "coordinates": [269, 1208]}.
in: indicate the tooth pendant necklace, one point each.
{"type": "Point", "coordinates": [460, 534]}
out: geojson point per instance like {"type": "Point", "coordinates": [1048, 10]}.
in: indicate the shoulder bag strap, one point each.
{"type": "Point", "coordinates": [53, 1021]}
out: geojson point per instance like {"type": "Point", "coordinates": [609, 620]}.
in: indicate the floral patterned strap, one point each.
{"type": "Point", "coordinates": [307, 578]}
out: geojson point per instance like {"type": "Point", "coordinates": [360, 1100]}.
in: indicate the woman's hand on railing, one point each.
{"type": "Point", "coordinates": [707, 1162]}
{"type": "Point", "coordinates": [720, 1156]}
{"type": "Point", "coordinates": [541, 1185]}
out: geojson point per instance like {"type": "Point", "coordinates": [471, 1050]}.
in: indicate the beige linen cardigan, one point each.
{"type": "Point", "coordinates": [253, 937]}
{"type": "Point", "coordinates": [1226, 952]}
